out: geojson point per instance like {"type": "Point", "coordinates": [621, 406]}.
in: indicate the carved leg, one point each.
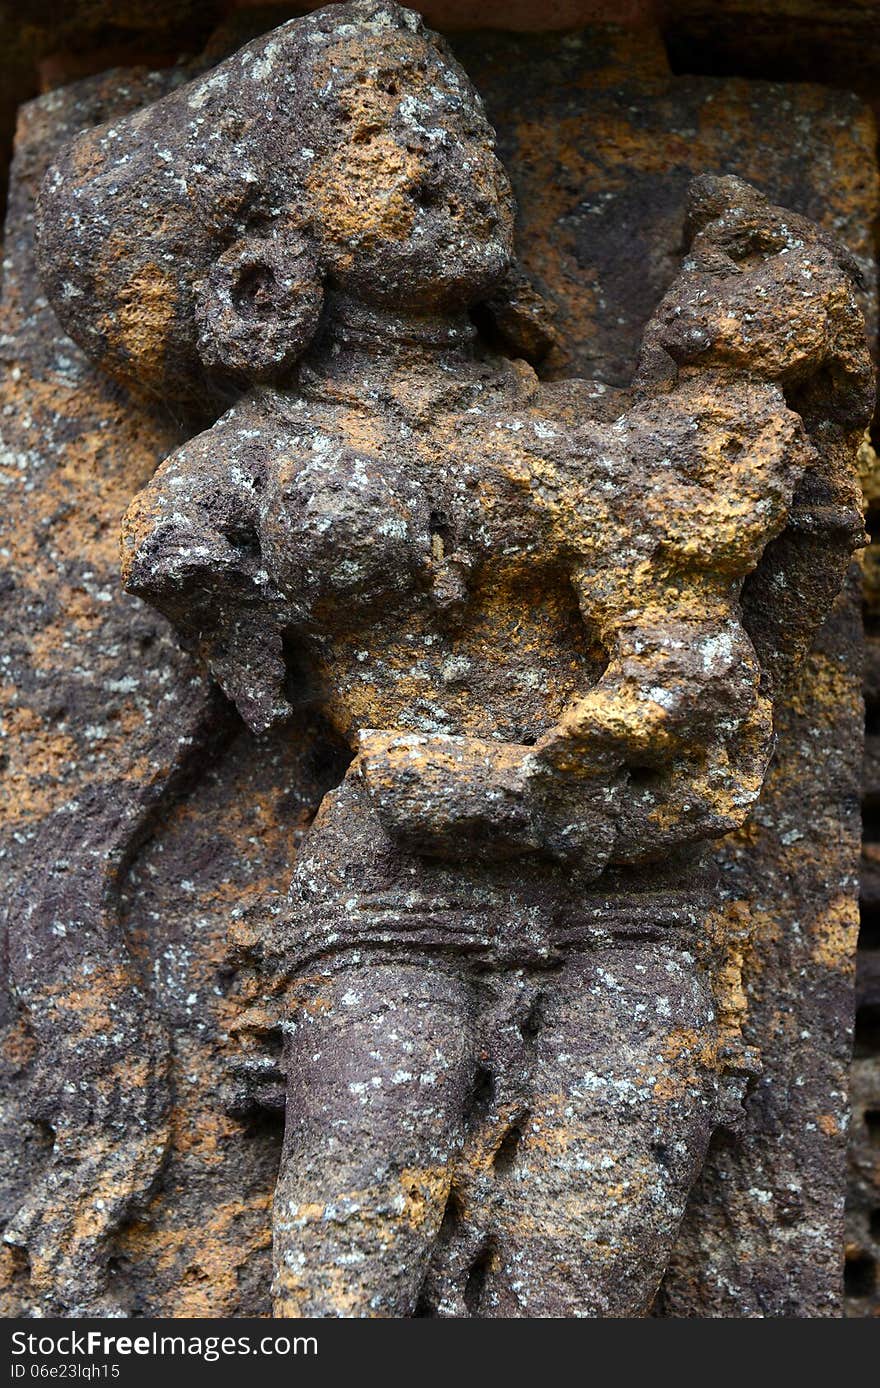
{"type": "Point", "coordinates": [625, 1101]}
{"type": "Point", "coordinates": [379, 1065]}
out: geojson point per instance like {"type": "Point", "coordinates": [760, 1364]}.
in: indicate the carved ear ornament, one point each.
{"type": "Point", "coordinates": [257, 307]}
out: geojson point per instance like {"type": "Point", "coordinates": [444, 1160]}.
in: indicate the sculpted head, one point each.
{"type": "Point", "coordinates": [345, 150]}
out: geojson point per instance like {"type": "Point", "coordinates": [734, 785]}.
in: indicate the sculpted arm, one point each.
{"type": "Point", "coordinates": [191, 548]}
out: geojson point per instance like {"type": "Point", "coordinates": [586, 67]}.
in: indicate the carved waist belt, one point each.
{"type": "Point", "coordinates": [490, 931]}
{"type": "Point", "coordinates": [355, 890]}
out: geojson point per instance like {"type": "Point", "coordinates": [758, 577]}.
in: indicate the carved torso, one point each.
{"type": "Point", "coordinates": [420, 561]}
{"type": "Point", "coordinates": [454, 553]}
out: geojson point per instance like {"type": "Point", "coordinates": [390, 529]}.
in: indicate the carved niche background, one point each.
{"type": "Point", "coordinates": [600, 140]}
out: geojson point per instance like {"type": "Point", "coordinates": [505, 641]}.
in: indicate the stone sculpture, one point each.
{"type": "Point", "coordinates": [549, 620]}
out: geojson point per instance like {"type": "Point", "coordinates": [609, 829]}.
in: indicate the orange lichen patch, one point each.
{"type": "Point", "coordinates": [203, 1134]}
{"type": "Point", "coordinates": [195, 1268]}
{"type": "Point", "coordinates": [387, 1221]}
{"type": "Point", "coordinates": [364, 431]}
{"type": "Point", "coordinates": [425, 1192]}
{"type": "Point", "coordinates": [69, 1218]}
{"type": "Point", "coordinates": [829, 1124]}
{"type": "Point", "coordinates": [690, 1051]}
{"type": "Point", "coordinates": [550, 1131]}
{"type": "Point", "coordinates": [78, 616]}
{"type": "Point", "coordinates": [869, 471]}
{"type": "Point", "coordinates": [688, 1056]}
{"type": "Point", "coordinates": [725, 944]}
{"type": "Point", "coordinates": [416, 1195]}
{"type": "Point", "coordinates": [365, 199]}
{"type": "Point", "coordinates": [304, 998]}
{"type": "Point", "coordinates": [586, 1195]}
{"type": "Point", "coordinates": [144, 315]}
{"type": "Point", "coordinates": [92, 1012]}
{"type": "Point", "coordinates": [825, 686]}
{"type": "Point", "coordinates": [137, 522]}
{"type": "Point", "coordinates": [834, 933]}
{"type": "Point", "coordinates": [18, 1044]}
{"type": "Point", "coordinates": [669, 1088]}
{"type": "Point", "coordinates": [39, 760]}
{"type": "Point", "coordinates": [13, 1277]}
{"type": "Point", "coordinates": [292, 1298]}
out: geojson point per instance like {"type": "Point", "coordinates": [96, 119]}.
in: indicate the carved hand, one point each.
{"type": "Point", "coordinates": [222, 603]}
{"type": "Point", "coordinates": [447, 794]}
{"type": "Point", "coordinates": [462, 797]}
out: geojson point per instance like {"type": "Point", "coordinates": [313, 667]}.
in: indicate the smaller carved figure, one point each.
{"type": "Point", "coordinates": [549, 619]}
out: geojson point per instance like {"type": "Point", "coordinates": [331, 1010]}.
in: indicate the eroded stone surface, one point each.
{"type": "Point", "coordinates": [102, 714]}
{"type": "Point", "coordinates": [863, 1197]}
{"type": "Point", "coordinates": [500, 1008]}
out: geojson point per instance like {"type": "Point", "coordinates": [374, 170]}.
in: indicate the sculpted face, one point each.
{"type": "Point", "coordinates": [193, 239]}
{"type": "Point", "coordinates": [411, 205]}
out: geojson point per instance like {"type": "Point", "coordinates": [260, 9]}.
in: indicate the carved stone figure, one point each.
{"type": "Point", "coordinates": [549, 621]}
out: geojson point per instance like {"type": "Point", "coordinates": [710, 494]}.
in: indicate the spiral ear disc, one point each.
{"type": "Point", "coordinates": [258, 306]}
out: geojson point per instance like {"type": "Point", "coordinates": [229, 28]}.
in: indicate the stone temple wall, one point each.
{"type": "Point", "coordinates": [133, 796]}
